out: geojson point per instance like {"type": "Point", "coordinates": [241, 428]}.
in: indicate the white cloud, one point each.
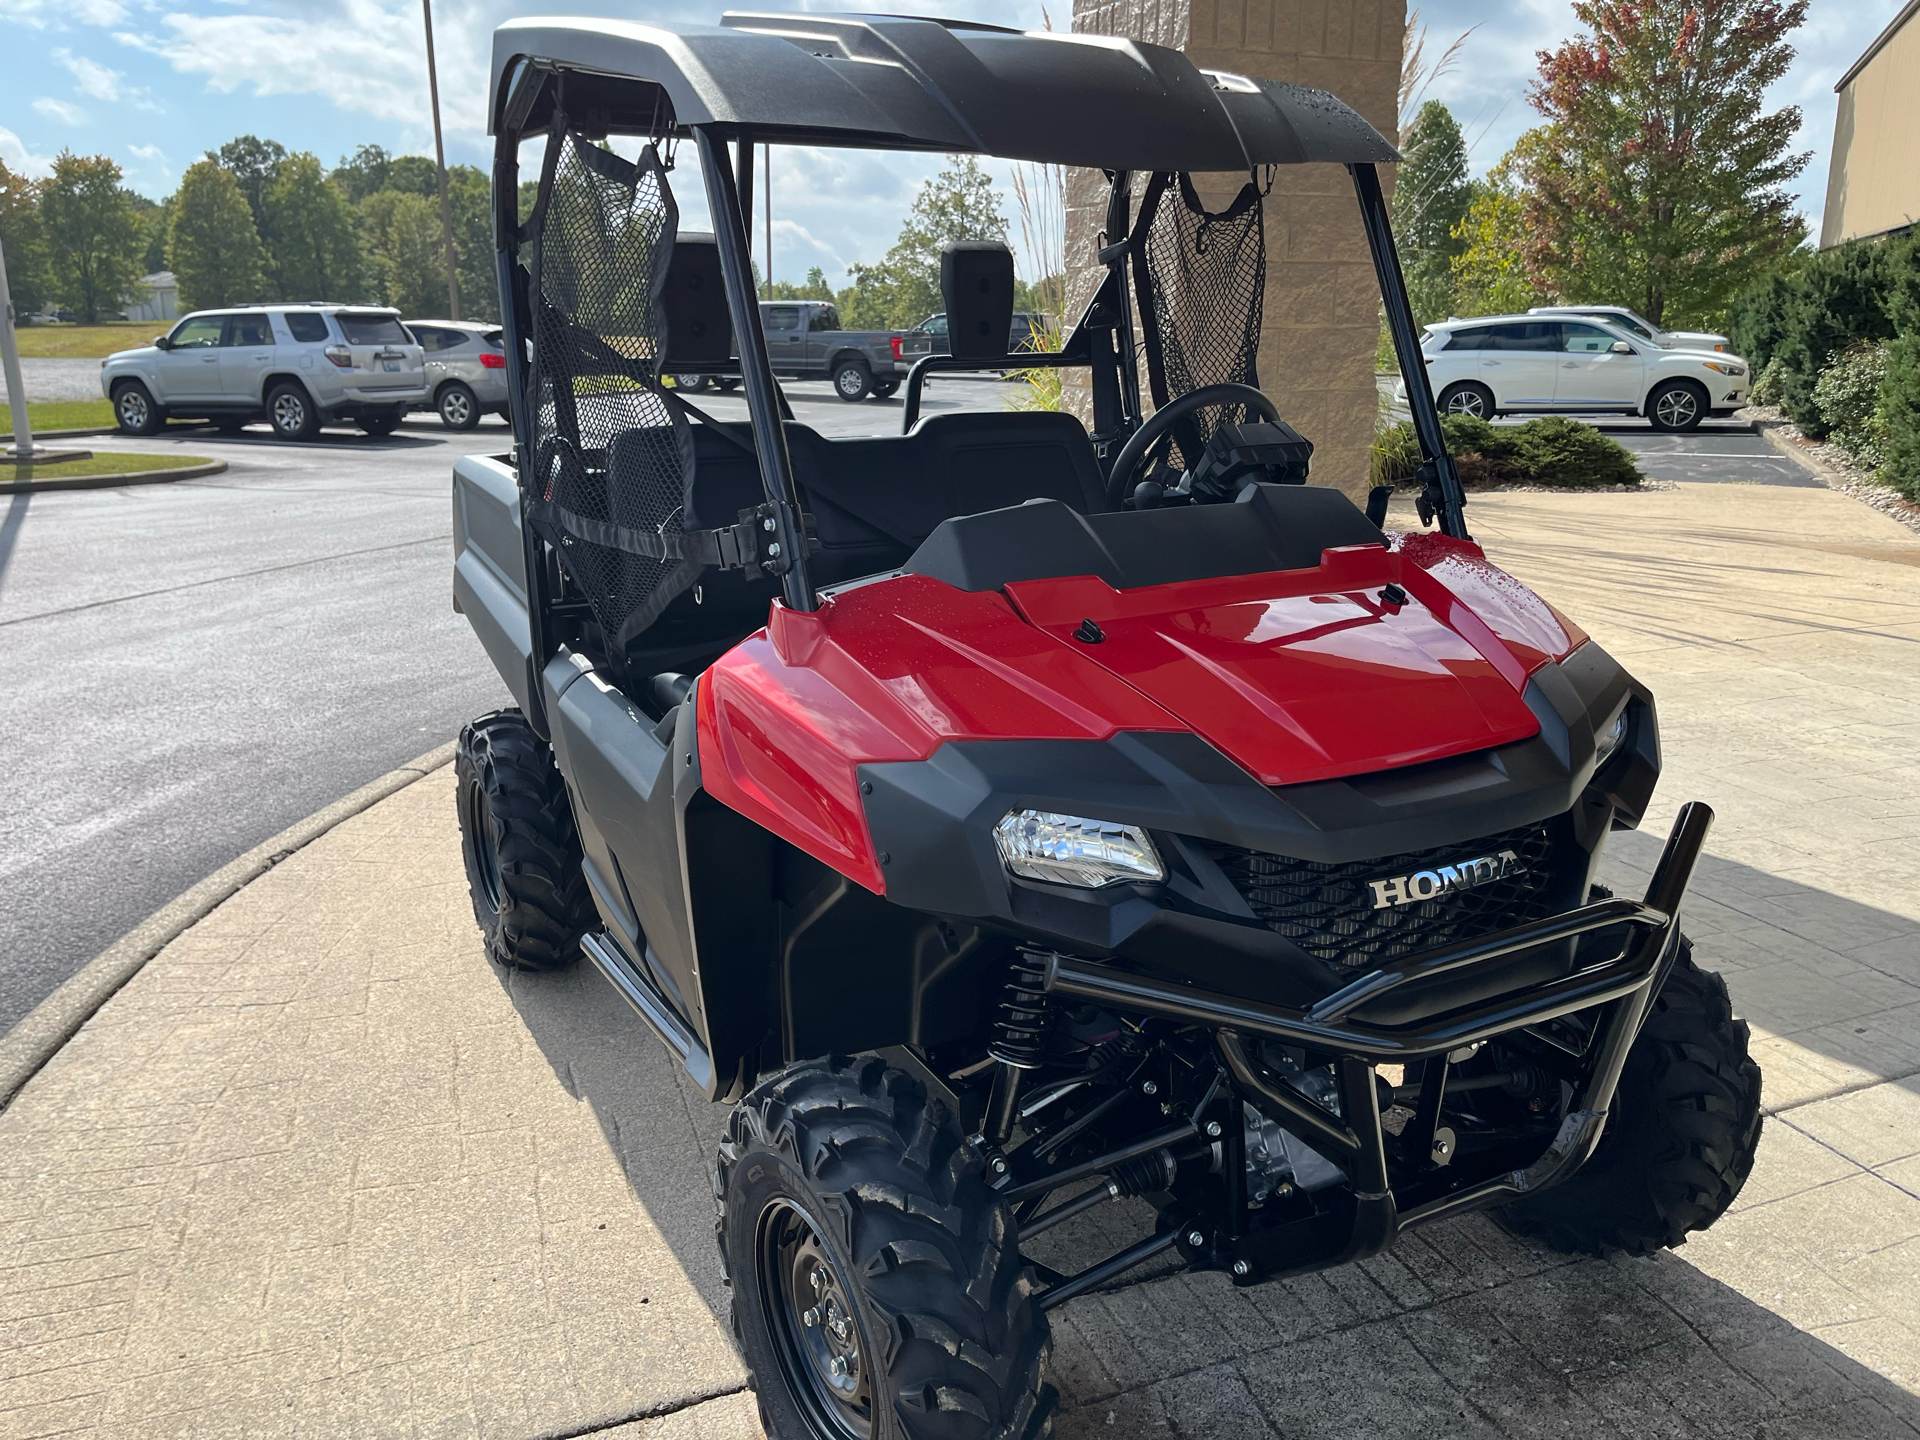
{"type": "Point", "coordinates": [146, 152]}
{"type": "Point", "coordinates": [42, 13]}
{"type": "Point", "coordinates": [14, 152]}
{"type": "Point", "coordinates": [94, 78]}
{"type": "Point", "coordinates": [59, 110]}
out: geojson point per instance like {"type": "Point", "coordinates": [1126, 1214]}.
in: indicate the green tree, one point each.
{"type": "Point", "coordinates": [1900, 393]}
{"type": "Point", "coordinates": [1659, 181]}
{"type": "Point", "coordinates": [253, 163]}
{"type": "Point", "coordinates": [93, 236]}
{"type": "Point", "coordinates": [413, 175]}
{"type": "Point", "coordinates": [213, 250]}
{"type": "Point", "coordinates": [156, 224]}
{"type": "Point", "coordinates": [1490, 275]}
{"type": "Point", "coordinates": [1430, 199]}
{"type": "Point", "coordinates": [1839, 299]}
{"type": "Point", "coordinates": [363, 173]}
{"type": "Point", "coordinates": [315, 250]}
{"type": "Point", "coordinates": [903, 289]}
{"type": "Point", "coordinates": [401, 233]}
{"type": "Point", "coordinates": [21, 239]}
{"type": "Point", "coordinates": [471, 197]}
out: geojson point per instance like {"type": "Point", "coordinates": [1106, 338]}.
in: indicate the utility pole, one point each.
{"type": "Point", "coordinates": [768, 151]}
{"type": "Point", "coordinates": [440, 164]}
{"type": "Point", "coordinates": [22, 447]}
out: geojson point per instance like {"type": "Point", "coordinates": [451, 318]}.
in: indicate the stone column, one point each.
{"type": "Point", "coordinates": [1321, 323]}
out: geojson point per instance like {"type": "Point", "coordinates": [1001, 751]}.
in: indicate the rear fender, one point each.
{"type": "Point", "coordinates": [489, 568]}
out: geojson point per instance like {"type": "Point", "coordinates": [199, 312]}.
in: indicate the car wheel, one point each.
{"type": "Point", "coordinates": [852, 380]}
{"type": "Point", "coordinates": [729, 384]}
{"type": "Point", "coordinates": [379, 425]}
{"type": "Point", "coordinates": [692, 384]}
{"type": "Point", "coordinates": [229, 425]}
{"type": "Point", "coordinates": [1467, 399]}
{"type": "Point", "coordinates": [885, 389]}
{"type": "Point", "coordinates": [459, 407]}
{"type": "Point", "coordinates": [291, 413]}
{"type": "Point", "coordinates": [1678, 405]}
{"type": "Point", "coordinates": [134, 410]}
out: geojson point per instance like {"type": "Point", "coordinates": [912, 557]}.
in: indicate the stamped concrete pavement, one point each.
{"type": "Point", "coordinates": [316, 1171]}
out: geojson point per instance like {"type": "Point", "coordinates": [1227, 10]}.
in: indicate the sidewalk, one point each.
{"type": "Point", "coordinates": [317, 1171]}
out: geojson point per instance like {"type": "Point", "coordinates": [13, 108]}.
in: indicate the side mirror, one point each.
{"type": "Point", "coordinates": [1620, 347]}
{"type": "Point", "coordinates": [161, 342]}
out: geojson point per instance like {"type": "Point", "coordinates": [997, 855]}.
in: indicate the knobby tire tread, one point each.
{"type": "Point", "coordinates": [949, 1302]}
{"type": "Point", "coordinates": [535, 844]}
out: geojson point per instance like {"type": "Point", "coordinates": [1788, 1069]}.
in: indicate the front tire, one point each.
{"type": "Point", "coordinates": [521, 850]}
{"type": "Point", "coordinates": [1677, 406]}
{"type": "Point", "coordinates": [134, 411]}
{"type": "Point", "coordinates": [692, 384]}
{"type": "Point", "coordinates": [1680, 1138]}
{"type": "Point", "coordinates": [290, 411]}
{"type": "Point", "coordinates": [1467, 398]}
{"type": "Point", "coordinates": [878, 1290]}
{"type": "Point", "coordinates": [459, 407]}
{"type": "Point", "coordinates": [852, 380]}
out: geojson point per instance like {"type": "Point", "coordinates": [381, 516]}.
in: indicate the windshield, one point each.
{"type": "Point", "coordinates": [1627, 320]}
{"type": "Point", "coordinates": [373, 329]}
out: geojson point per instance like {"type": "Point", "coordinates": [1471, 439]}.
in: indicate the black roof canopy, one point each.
{"type": "Point", "coordinates": [914, 84]}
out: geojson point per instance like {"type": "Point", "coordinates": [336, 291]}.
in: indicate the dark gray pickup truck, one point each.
{"type": "Point", "coordinates": [805, 342]}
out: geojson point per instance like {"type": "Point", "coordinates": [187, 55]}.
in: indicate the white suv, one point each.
{"type": "Point", "coordinates": [1640, 326]}
{"type": "Point", "coordinates": [1502, 364]}
{"type": "Point", "coordinates": [295, 366]}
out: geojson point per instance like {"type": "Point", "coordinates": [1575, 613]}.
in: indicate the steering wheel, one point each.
{"type": "Point", "coordinates": [1121, 479]}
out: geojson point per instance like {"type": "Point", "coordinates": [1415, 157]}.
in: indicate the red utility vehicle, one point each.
{"type": "Point", "coordinates": [1010, 820]}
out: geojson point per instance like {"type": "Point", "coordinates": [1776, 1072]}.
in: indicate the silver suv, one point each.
{"type": "Point", "coordinates": [466, 369]}
{"type": "Point", "coordinates": [297, 367]}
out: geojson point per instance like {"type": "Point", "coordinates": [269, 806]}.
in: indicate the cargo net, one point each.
{"type": "Point", "coordinates": [613, 460]}
{"type": "Point", "coordinates": [1206, 279]}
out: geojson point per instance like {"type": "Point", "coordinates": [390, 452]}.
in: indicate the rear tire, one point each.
{"type": "Point", "coordinates": [1467, 398]}
{"type": "Point", "coordinates": [1680, 1140]}
{"type": "Point", "coordinates": [692, 384]}
{"type": "Point", "coordinates": [886, 389]}
{"type": "Point", "coordinates": [521, 850]}
{"type": "Point", "coordinates": [1677, 406]}
{"type": "Point", "coordinates": [459, 407]}
{"type": "Point", "coordinates": [290, 411]}
{"type": "Point", "coordinates": [847, 1196]}
{"type": "Point", "coordinates": [134, 411]}
{"type": "Point", "coordinates": [852, 380]}
{"type": "Point", "coordinates": [379, 426]}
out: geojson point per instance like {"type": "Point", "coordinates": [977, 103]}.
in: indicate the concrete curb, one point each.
{"type": "Point", "coordinates": [39, 435]}
{"type": "Point", "coordinates": [113, 482]}
{"type": "Point", "coordinates": [54, 1021]}
{"type": "Point", "coordinates": [1771, 431]}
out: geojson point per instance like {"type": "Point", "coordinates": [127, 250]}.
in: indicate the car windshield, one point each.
{"type": "Point", "coordinates": [1627, 320]}
{"type": "Point", "coordinates": [373, 329]}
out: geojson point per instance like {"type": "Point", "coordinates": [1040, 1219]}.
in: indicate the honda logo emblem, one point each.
{"type": "Point", "coordinates": [1429, 884]}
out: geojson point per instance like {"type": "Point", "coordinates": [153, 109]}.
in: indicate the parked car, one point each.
{"type": "Point", "coordinates": [297, 367]}
{"type": "Point", "coordinates": [1029, 332]}
{"type": "Point", "coordinates": [1504, 364]}
{"type": "Point", "coordinates": [805, 341]}
{"type": "Point", "coordinates": [466, 364]}
{"type": "Point", "coordinates": [1641, 327]}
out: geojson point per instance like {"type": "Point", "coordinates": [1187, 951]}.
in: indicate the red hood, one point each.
{"type": "Point", "coordinates": [1304, 675]}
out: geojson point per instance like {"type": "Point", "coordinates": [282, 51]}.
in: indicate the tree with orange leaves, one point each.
{"type": "Point", "coordinates": [1657, 181]}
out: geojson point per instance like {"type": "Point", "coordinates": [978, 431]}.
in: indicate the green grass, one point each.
{"type": "Point", "coordinates": [87, 342]}
{"type": "Point", "coordinates": [99, 465]}
{"type": "Point", "coordinates": [61, 415]}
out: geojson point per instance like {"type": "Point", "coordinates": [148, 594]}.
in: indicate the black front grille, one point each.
{"type": "Point", "coordinates": [1334, 912]}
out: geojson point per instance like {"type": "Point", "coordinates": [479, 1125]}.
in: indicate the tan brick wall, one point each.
{"type": "Point", "coordinates": [1322, 306]}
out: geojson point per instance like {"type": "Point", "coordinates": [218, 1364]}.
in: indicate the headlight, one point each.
{"type": "Point", "coordinates": [1070, 850]}
{"type": "Point", "coordinates": [1610, 740]}
{"type": "Point", "coordinates": [1725, 367]}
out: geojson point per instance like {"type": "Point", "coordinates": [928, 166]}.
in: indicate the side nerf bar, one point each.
{"type": "Point", "coordinates": [1629, 976]}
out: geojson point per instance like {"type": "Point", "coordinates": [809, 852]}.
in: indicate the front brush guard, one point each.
{"type": "Point", "coordinates": [1625, 984]}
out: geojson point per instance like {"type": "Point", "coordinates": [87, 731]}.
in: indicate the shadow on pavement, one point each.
{"type": "Point", "coordinates": [1461, 1330]}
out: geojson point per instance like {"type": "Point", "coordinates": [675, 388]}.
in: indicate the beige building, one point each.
{"type": "Point", "coordinates": [1873, 187]}
{"type": "Point", "coordinates": [1321, 317]}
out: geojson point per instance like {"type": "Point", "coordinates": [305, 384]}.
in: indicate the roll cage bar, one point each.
{"type": "Point", "coordinates": [705, 84]}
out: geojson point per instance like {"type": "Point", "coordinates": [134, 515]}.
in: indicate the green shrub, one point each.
{"type": "Point", "coordinates": [1839, 300]}
{"type": "Point", "coordinates": [1899, 405]}
{"type": "Point", "coordinates": [1758, 318]}
{"type": "Point", "coordinates": [1766, 387]}
{"type": "Point", "coordinates": [1548, 451]}
{"type": "Point", "coordinates": [1847, 395]}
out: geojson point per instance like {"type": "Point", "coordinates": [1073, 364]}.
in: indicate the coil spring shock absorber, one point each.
{"type": "Point", "coordinates": [1020, 1039]}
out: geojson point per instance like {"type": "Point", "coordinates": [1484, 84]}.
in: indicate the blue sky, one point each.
{"type": "Point", "coordinates": [155, 83]}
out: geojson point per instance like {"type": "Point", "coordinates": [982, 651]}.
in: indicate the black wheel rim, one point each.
{"type": "Point", "coordinates": [811, 1319]}
{"type": "Point", "coordinates": [486, 864]}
